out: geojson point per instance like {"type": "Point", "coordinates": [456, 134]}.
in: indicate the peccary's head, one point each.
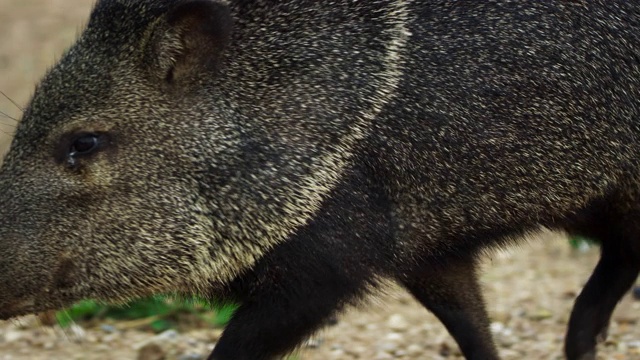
{"type": "Point", "coordinates": [98, 194]}
{"type": "Point", "coordinates": [177, 141]}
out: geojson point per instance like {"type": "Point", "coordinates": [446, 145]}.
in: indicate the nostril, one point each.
{"type": "Point", "coordinates": [63, 277]}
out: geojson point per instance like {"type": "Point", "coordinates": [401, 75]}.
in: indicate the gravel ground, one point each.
{"type": "Point", "coordinates": [529, 290]}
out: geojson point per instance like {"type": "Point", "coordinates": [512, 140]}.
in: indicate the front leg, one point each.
{"type": "Point", "coordinates": [286, 299]}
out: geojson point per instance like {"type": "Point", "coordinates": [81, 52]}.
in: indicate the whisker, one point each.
{"type": "Point", "coordinates": [3, 114]}
{"type": "Point", "coordinates": [7, 128]}
{"type": "Point", "coordinates": [13, 102]}
{"type": "Point", "coordinates": [5, 124]}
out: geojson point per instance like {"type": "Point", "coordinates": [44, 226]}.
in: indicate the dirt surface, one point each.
{"type": "Point", "coordinates": [529, 290]}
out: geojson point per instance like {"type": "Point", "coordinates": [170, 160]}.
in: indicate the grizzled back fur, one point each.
{"type": "Point", "coordinates": [290, 154]}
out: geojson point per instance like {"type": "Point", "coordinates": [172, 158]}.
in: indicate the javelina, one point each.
{"type": "Point", "coordinates": [290, 154]}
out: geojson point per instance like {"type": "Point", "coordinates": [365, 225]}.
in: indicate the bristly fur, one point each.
{"type": "Point", "coordinates": [293, 154]}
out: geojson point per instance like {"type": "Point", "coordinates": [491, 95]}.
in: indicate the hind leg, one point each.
{"type": "Point", "coordinates": [451, 292]}
{"type": "Point", "coordinates": [614, 275]}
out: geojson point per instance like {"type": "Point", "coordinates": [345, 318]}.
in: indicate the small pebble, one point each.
{"type": "Point", "coordinates": [397, 322]}
{"type": "Point", "coordinates": [388, 346]}
{"type": "Point", "coordinates": [414, 349]}
{"type": "Point", "coordinates": [108, 328]}
{"type": "Point", "coordinates": [634, 344]}
{"type": "Point", "coordinates": [12, 335]}
{"type": "Point", "coordinates": [540, 314]}
{"type": "Point", "coordinates": [381, 355]}
{"type": "Point", "coordinates": [191, 356]}
{"type": "Point", "coordinates": [313, 343]}
{"type": "Point", "coordinates": [170, 334]}
{"type": "Point", "coordinates": [394, 336]}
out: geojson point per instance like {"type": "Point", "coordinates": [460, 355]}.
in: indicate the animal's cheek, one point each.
{"type": "Point", "coordinates": [96, 173]}
{"type": "Point", "coordinates": [99, 174]}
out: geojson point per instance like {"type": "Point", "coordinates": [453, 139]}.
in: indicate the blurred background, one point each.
{"type": "Point", "coordinates": [529, 289]}
{"type": "Point", "coordinates": [33, 34]}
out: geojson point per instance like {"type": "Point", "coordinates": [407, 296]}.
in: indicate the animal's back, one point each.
{"type": "Point", "coordinates": [513, 115]}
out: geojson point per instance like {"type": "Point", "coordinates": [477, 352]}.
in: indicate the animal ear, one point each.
{"type": "Point", "coordinates": [188, 40]}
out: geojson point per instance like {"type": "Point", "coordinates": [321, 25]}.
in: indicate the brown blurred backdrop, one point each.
{"type": "Point", "coordinates": [33, 35]}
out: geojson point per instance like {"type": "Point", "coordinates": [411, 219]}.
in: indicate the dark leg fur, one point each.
{"type": "Point", "coordinates": [265, 329]}
{"type": "Point", "coordinates": [286, 301]}
{"type": "Point", "coordinates": [451, 292]}
{"type": "Point", "coordinates": [619, 265]}
{"type": "Point", "coordinates": [614, 275]}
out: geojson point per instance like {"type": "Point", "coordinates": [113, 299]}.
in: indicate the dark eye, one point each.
{"type": "Point", "coordinates": [73, 146]}
{"type": "Point", "coordinates": [84, 145]}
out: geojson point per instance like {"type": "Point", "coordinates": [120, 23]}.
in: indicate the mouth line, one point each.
{"type": "Point", "coordinates": [18, 308]}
